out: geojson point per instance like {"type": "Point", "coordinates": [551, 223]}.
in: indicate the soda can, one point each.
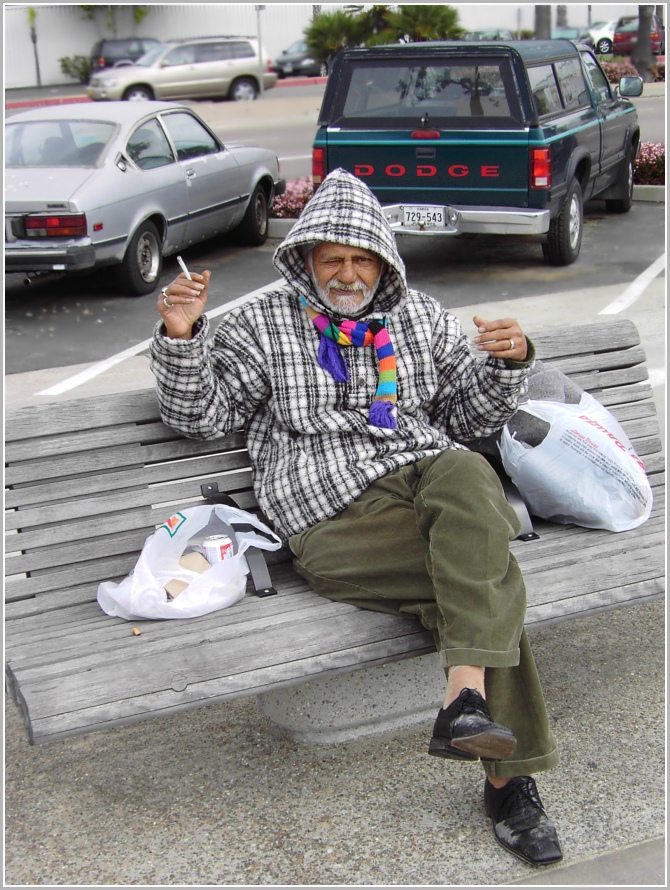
{"type": "Point", "coordinates": [217, 548]}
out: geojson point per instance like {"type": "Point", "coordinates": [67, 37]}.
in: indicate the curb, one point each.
{"type": "Point", "coordinates": [38, 103]}
{"type": "Point", "coordinates": [649, 193]}
{"type": "Point", "coordinates": [279, 228]}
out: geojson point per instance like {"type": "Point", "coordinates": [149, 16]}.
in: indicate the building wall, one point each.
{"type": "Point", "coordinates": [63, 30]}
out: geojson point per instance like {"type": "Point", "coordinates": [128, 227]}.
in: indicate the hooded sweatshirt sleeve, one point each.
{"type": "Point", "coordinates": [476, 395]}
{"type": "Point", "coordinates": [209, 389]}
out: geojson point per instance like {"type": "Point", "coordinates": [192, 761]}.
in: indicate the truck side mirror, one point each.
{"type": "Point", "coordinates": [630, 86]}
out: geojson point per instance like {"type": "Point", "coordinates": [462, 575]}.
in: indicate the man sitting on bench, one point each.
{"type": "Point", "coordinates": [358, 462]}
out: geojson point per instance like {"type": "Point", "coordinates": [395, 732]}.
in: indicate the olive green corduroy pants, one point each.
{"type": "Point", "coordinates": [431, 540]}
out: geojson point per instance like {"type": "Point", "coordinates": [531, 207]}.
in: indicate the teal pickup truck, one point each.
{"type": "Point", "coordinates": [496, 138]}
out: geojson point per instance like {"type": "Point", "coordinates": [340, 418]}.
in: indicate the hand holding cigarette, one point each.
{"type": "Point", "coordinates": [182, 302]}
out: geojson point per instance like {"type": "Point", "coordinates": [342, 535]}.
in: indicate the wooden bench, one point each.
{"type": "Point", "coordinates": [88, 479]}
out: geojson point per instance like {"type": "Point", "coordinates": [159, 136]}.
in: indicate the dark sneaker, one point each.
{"type": "Point", "coordinates": [465, 731]}
{"type": "Point", "coordinates": [520, 823]}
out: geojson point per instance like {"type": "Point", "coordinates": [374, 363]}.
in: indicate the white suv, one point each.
{"type": "Point", "coordinates": [196, 68]}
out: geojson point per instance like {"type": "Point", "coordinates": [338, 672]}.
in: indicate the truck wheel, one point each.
{"type": "Point", "coordinates": [253, 230]}
{"type": "Point", "coordinates": [143, 262]}
{"type": "Point", "coordinates": [627, 178]}
{"type": "Point", "coordinates": [565, 231]}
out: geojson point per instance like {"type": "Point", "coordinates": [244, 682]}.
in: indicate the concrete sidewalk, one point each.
{"type": "Point", "coordinates": [218, 796]}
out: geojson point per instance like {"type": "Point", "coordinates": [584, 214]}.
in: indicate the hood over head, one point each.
{"type": "Point", "coordinates": [343, 210]}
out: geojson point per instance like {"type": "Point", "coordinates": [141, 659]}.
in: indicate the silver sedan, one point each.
{"type": "Point", "coordinates": [125, 184]}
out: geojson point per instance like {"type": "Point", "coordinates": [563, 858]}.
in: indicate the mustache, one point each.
{"type": "Point", "coordinates": [349, 288]}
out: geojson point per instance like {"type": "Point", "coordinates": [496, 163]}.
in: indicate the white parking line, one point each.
{"type": "Point", "coordinates": [106, 364]}
{"type": "Point", "coordinates": [635, 290]}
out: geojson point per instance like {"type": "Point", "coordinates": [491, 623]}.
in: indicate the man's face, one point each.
{"type": "Point", "coordinates": [346, 277]}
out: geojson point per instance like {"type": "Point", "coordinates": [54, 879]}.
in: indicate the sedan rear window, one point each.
{"type": "Point", "coordinates": [378, 94]}
{"type": "Point", "coordinates": [64, 143]}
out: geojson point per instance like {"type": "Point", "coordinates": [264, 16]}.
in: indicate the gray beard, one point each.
{"type": "Point", "coordinates": [346, 306]}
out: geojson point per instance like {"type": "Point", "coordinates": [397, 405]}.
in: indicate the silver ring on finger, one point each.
{"type": "Point", "coordinates": [165, 300]}
{"type": "Point", "coordinates": [511, 344]}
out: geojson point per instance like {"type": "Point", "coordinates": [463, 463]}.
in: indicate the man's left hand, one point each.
{"type": "Point", "coordinates": [501, 339]}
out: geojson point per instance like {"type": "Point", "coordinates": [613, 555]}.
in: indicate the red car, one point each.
{"type": "Point", "coordinates": [625, 36]}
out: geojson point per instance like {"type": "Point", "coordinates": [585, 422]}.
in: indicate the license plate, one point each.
{"type": "Point", "coordinates": [417, 215]}
{"type": "Point", "coordinates": [288, 69]}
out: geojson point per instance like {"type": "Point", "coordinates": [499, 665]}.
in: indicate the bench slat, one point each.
{"type": "Point", "coordinates": [252, 682]}
{"type": "Point", "coordinates": [558, 341]}
{"type": "Point", "coordinates": [120, 501]}
{"type": "Point", "coordinates": [212, 659]}
{"type": "Point", "coordinates": [99, 525]}
{"type": "Point", "coordinates": [87, 413]}
{"type": "Point", "coordinates": [45, 446]}
{"type": "Point", "coordinates": [129, 477]}
{"type": "Point", "coordinates": [105, 458]}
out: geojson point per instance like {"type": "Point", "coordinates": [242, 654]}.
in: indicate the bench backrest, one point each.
{"type": "Point", "coordinates": [87, 480]}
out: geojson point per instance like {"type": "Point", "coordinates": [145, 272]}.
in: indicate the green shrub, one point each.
{"type": "Point", "coordinates": [77, 67]}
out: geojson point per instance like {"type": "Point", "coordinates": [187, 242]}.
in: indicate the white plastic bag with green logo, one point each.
{"type": "Point", "coordinates": [143, 595]}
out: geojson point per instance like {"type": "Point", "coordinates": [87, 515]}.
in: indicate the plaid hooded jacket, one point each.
{"type": "Point", "coordinates": [309, 437]}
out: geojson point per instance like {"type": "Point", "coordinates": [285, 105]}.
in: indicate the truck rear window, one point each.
{"type": "Point", "coordinates": [458, 93]}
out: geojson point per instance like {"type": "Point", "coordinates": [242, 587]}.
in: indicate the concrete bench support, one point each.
{"type": "Point", "coordinates": [358, 704]}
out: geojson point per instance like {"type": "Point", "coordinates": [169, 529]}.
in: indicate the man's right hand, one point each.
{"type": "Point", "coordinates": [181, 304]}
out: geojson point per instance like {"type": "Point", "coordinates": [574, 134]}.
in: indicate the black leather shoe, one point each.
{"type": "Point", "coordinates": [465, 731]}
{"type": "Point", "coordinates": [520, 823]}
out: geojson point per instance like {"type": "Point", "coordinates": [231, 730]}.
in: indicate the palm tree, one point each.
{"type": "Point", "coordinates": [420, 22]}
{"type": "Point", "coordinates": [641, 56]}
{"type": "Point", "coordinates": [542, 22]}
{"type": "Point", "coordinates": [331, 32]}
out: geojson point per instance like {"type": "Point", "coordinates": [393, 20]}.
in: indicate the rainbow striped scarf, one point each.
{"type": "Point", "coordinates": [360, 333]}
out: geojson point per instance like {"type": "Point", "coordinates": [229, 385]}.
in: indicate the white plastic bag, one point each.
{"type": "Point", "coordinates": [585, 471]}
{"type": "Point", "coordinates": [142, 594]}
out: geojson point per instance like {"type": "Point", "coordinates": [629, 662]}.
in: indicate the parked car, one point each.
{"type": "Point", "coordinates": [88, 187]}
{"type": "Point", "coordinates": [298, 60]}
{"type": "Point", "coordinates": [123, 51]}
{"type": "Point", "coordinates": [494, 34]}
{"type": "Point", "coordinates": [625, 35]}
{"type": "Point", "coordinates": [498, 139]}
{"type": "Point", "coordinates": [602, 36]}
{"type": "Point", "coordinates": [199, 68]}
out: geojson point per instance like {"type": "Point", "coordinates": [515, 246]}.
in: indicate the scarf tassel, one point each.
{"type": "Point", "coordinates": [381, 414]}
{"type": "Point", "coordinates": [331, 359]}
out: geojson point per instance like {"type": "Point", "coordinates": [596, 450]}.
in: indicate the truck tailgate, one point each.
{"type": "Point", "coordinates": [466, 168]}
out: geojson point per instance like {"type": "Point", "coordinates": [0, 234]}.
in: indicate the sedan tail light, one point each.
{"type": "Point", "coordinates": [540, 168]}
{"type": "Point", "coordinates": [71, 225]}
{"type": "Point", "coordinates": [318, 166]}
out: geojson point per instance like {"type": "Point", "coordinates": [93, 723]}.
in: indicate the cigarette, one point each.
{"type": "Point", "coordinates": [183, 268]}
